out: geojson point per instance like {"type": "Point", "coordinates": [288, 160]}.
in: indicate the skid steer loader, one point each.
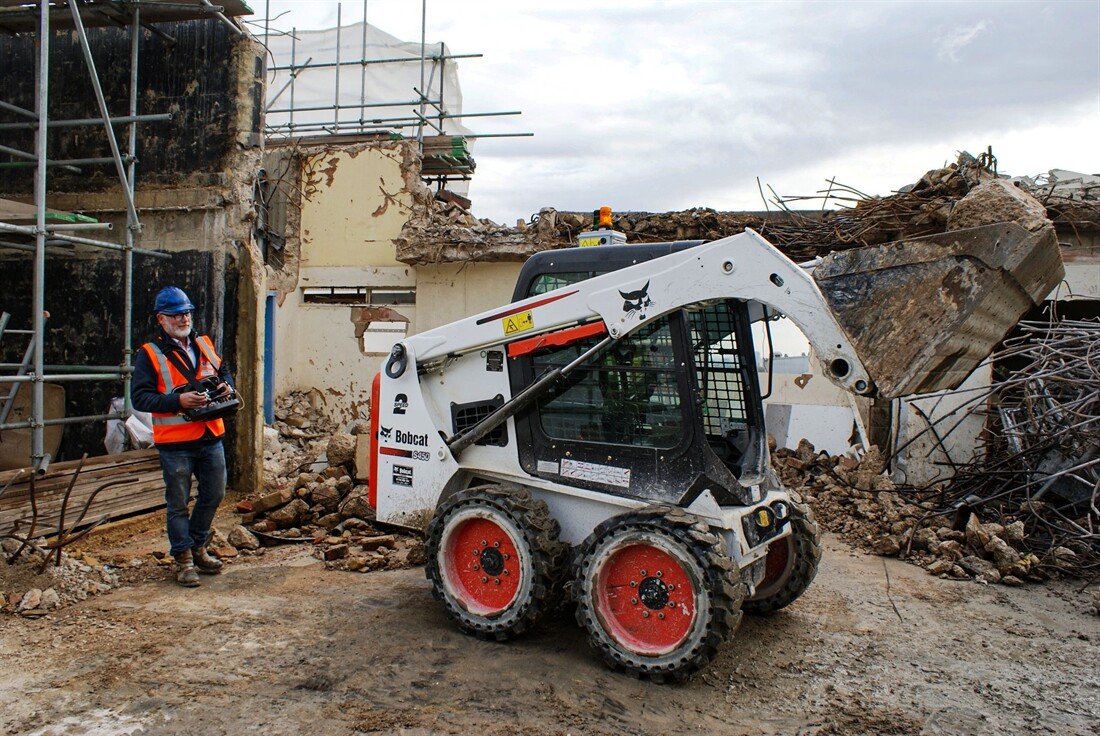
{"type": "Point", "coordinates": [602, 437]}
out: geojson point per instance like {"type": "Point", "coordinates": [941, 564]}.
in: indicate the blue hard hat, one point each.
{"type": "Point", "coordinates": [172, 300]}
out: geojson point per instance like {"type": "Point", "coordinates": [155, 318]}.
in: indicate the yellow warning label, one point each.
{"type": "Point", "coordinates": [589, 242]}
{"type": "Point", "coordinates": [518, 323]}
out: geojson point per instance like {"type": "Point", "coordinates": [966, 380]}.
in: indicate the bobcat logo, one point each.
{"type": "Point", "coordinates": [636, 302]}
{"type": "Point", "coordinates": [384, 432]}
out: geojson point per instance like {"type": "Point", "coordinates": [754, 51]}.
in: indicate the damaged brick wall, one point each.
{"type": "Point", "coordinates": [190, 79]}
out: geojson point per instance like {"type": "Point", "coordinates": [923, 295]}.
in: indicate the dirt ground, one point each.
{"type": "Point", "coordinates": [280, 645]}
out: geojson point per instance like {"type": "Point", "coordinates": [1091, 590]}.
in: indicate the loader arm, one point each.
{"type": "Point", "coordinates": [744, 266]}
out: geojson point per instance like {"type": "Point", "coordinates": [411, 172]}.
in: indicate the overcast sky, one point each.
{"type": "Point", "coordinates": [659, 106]}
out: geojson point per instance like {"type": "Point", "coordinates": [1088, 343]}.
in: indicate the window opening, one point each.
{"type": "Point", "coordinates": [360, 296]}
{"type": "Point", "coordinates": [630, 397]}
{"type": "Point", "coordinates": [719, 370]}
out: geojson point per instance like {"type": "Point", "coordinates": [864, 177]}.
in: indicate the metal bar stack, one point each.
{"type": "Point", "coordinates": [1041, 460]}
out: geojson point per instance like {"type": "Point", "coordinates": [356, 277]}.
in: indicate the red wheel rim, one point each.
{"type": "Point", "coordinates": [645, 599]}
{"type": "Point", "coordinates": [775, 564]}
{"type": "Point", "coordinates": [481, 566]}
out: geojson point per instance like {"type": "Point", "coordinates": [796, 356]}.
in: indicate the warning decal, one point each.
{"type": "Point", "coordinates": [607, 474]}
{"type": "Point", "coordinates": [402, 475]}
{"type": "Point", "coordinates": [520, 322]}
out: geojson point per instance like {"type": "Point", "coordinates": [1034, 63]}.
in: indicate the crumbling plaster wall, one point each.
{"type": "Point", "coordinates": [449, 291]}
{"type": "Point", "coordinates": [350, 201]}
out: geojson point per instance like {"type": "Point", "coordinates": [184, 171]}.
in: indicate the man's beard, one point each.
{"type": "Point", "coordinates": [178, 333]}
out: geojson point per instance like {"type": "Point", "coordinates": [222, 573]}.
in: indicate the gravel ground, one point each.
{"type": "Point", "coordinates": [280, 645]}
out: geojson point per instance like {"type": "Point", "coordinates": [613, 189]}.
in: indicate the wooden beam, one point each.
{"type": "Point", "coordinates": [144, 492]}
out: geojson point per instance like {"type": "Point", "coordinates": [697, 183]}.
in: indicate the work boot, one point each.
{"type": "Point", "coordinates": [185, 570]}
{"type": "Point", "coordinates": [207, 563]}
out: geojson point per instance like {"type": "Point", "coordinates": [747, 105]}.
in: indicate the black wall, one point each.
{"type": "Point", "coordinates": [85, 300]}
{"type": "Point", "coordinates": [193, 79]}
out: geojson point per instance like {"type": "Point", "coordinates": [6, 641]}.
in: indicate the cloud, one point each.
{"type": "Point", "coordinates": [957, 39]}
{"type": "Point", "coordinates": [659, 106]}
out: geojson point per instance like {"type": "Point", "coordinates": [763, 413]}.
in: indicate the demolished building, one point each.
{"type": "Point", "coordinates": [315, 255]}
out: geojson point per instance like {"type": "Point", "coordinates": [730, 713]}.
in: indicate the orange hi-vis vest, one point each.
{"type": "Point", "coordinates": [171, 428]}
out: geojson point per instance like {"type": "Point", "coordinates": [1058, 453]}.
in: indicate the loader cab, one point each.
{"type": "Point", "coordinates": [667, 411]}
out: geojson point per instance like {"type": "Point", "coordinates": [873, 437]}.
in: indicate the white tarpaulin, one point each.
{"type": "Point", "coordinates": [396, 81]}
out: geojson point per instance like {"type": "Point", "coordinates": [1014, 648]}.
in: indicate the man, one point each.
{"type": "Point", "coordinates": [164, 371]}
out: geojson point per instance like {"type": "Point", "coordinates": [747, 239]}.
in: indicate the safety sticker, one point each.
{"type": "Point", "coordinates": [402, 475]}
{"type": "Point", "coordinates": [547, 466]}
{"type": "Point", "coordinates": [519, 322]}
{"type": "Point", "coordinates": [606, 474]}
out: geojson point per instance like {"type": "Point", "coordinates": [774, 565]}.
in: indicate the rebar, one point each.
{"type": "Point", "coordinates": [1041, 444]}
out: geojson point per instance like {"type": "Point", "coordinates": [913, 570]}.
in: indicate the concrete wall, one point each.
{"type": "Point", "coordinates": [450, 291]}
{"type": "Point", "coordinates": [809, 406]}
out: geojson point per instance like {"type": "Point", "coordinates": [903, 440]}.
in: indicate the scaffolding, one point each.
{"type": "Point", "coordinates": [428, 114]}
{"type": "Point", "coordinates": [51, 229]}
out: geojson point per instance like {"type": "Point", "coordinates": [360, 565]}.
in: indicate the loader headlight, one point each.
{"type": "Point", "coordinates": [758, 525]}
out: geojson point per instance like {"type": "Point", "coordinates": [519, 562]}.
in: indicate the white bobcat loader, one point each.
{"type": "Point", "coordinates": [602, 437]}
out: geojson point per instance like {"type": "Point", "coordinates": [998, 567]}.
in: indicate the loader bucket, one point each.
{"type": "Point", "coordinates": [923, 313]}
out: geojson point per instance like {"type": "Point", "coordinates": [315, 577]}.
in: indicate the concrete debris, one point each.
{"type": "Point", "coordinates": [28, 587]}
{"type": "Point", "coordinates": [441, 232]}
{"type": "Point", "coordinates": [299, 437]}
{"type": "Point", "coordinates": [241, 538]}
{"type": "Point", "coordinates": [304, 501]}
{"type": "Point", "coordinates": [1039, 469]}
{"type": "Point", "coordinates": [341, 449]}
{"type": "Point", "coordinates": [860, 503]}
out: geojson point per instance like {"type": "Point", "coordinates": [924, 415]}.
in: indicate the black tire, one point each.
{"type": "Point", "coordinates": [493, 559]}
{"type": "Point", "coordinates": [628, 608]}
{"type": "Point", "coordinates": [791, 565]}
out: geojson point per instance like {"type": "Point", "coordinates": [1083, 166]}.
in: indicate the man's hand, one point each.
{"type": "Point", "coordinates": [192, 400]}
{"type": "Point", "coordinates": [222, 390]}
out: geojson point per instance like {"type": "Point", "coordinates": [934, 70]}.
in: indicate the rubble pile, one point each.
{"type": "Point", "coordinates": [1070, 198]}
{"type": "Point", "coordinates": [442, 231]}
{"type": "Point", "coordinates": [859, 502]}
{"type": "Point", "coordinates": [299, 436]}
{"type": "Point", "coordinates": [310, 496]}
{"type": "Point", "coordinates": [1040, 459]}
{"type": "Point", "coordinates": [32, 585]}
{"type": "Point", "coordinates": [329, 511]}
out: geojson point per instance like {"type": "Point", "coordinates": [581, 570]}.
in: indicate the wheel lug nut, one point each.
{"type": "Point", "coordinates": [484, 543]}
{"type": "Point", "coordinates": [645, 614]}
{"type": "Point", "coordinates": [672, 604]}
{"type": "Point", "coordinates": [634, 601]}
{"type": "Point", "coordinates": [633, 583]}
{"type": "Point", "coordinates": [643, 573]}
{"type": "Point", "coordinates": [660, 616]}
{"type": "Point", "coordinates": [505, 572]}
{"type": "Point", "coordinates": [484, 579]}
{"type": "Point", "coordinates": [477, 567]}
{"type": "Point", "coordinates": [660, 574]}
{"type": "Point", "coordinates": [507, 556]}
{"type": "Point", "coordinates": [496, 543]}
{"type": "Point", "coordinates": [496, 580]}
{"type": "Point", "coordinates": [671, 587]}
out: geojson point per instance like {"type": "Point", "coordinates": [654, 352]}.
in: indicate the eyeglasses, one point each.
{"type": "Point", "coordinates": [180, 316]}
